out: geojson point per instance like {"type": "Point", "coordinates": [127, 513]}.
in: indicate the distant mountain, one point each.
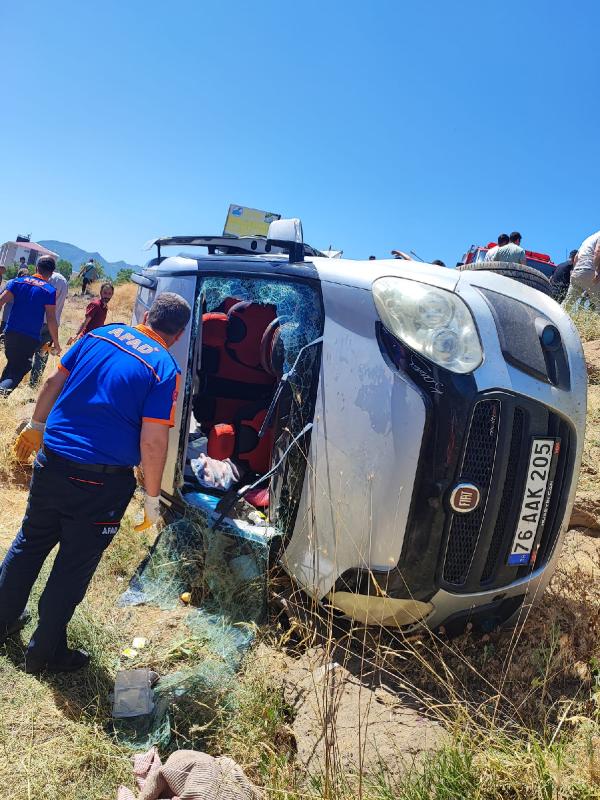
{"type": "Point", "coordinates": [77, 257]}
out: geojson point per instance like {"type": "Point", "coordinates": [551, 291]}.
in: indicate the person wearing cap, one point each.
{"type": "Point", "coordinates": [106, 408]}
{"type": "Point", "coordinates": [33, 298]}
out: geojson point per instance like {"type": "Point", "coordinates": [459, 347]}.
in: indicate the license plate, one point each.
{"type": "Point", "coordinates": [536, 499]}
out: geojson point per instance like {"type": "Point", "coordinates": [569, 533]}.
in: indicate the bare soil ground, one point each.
{"type": "Point", "coordinates": [342, 721]}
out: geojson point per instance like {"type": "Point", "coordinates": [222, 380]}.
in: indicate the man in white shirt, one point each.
{"type": "Point", "coordinates": [510, 252]}
{"type": "Point", "coordinates": [585, 278]}
{"type": "Point", "coordinates": [491, 253]}
{"type": "Point", "coordinates": [40, 357]}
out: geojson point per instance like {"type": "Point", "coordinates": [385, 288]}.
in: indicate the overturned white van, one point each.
{"type": "Point", "coordinates": [412, 433]}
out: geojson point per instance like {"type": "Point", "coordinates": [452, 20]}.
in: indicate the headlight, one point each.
{"type": "Point", "coordinates": [434, 322]}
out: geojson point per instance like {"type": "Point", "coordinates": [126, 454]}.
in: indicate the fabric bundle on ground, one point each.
{"type": "Point", "coordinates": [189, 775]}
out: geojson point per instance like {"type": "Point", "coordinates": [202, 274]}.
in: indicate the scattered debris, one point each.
{"type": "Point", "coordinates": [190, 774]}
{"type": "Point", "coordinates": [133, 695]}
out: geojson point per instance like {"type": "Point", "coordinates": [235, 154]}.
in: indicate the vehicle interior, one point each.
{"type": "Point", "coordinates": [252, 399]}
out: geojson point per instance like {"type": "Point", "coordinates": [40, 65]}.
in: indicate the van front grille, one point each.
{"type": "Point", "coordinates": [495, 459]}
{"type": "Point", "coordinates": [477, 467]}
{"type": "Point", "coordinates": [507, 495]}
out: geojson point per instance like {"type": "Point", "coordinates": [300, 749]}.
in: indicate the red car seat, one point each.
{"type": "Point", "coordinates": [242, 360]}
{"type": "Point", "coordinates": [231, 373]}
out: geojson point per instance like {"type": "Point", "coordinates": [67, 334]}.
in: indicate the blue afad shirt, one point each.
{"type": "Point", "coordinates": [119, 376]}
{"type": "Point", "coordinates": [32, 294]}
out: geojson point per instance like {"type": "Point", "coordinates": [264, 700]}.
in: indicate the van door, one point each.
{"type": "Point", "coordinates": [151, 285]}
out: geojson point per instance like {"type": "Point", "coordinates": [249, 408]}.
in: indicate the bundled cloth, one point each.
{"type": "Point", "coordinates": [215, 474]}
{"type": "Point", "coordinates": [189, 775]}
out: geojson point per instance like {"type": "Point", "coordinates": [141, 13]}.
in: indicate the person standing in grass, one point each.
{"type": "Point", "coordinates": [108, 406]}
{"type": "Point", "coordinates": [8, 306]}
{"type": "Point", "coordinates": [585, 277]}
{"type": "Point", "coordinates": [95, 313]}
{"type": "Point", "coordinates": [40, 357]}
{"type": "Point", "coordinates": [32, 297]}
{"type": "Point", "coordinates": [89, 274]}
{"type": "Point", "coordinates": [561, 277]}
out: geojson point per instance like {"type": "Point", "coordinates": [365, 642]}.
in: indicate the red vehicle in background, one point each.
{"type": "Point", "coordinates": [539, 261]}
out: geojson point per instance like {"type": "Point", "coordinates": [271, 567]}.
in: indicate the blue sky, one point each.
{"type": "Point", "coordinates": [389, 124]}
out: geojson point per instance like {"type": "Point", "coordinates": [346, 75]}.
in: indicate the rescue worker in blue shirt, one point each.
{"type": "Point", "coordinates": [109, 405]}
{"type": "Point", "coordinates": [32, 298]}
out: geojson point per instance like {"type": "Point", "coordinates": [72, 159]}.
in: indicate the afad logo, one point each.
{"type": "Point", "coordinates": [35, 281]}
{"type": "Point", "coordinates": [132, 341]}
{"type": "Point", "coordinates": [109, 530]}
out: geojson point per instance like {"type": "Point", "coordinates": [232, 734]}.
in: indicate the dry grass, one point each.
{"type": "Point", "coordinates": [587, 323]}
{"type": "Point", "coordinates": [52, 735]}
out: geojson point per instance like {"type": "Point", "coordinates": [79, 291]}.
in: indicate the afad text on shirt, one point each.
{"type": "Point", "coordinates": [132, 341]}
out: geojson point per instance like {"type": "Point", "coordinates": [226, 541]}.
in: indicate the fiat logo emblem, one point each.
{"type": "Point", "coordinates": [465, 498]}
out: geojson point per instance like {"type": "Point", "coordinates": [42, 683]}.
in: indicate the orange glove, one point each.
{"type": "Point", "coordinates": [29, 440]}
{"type": "Point", "coordinates": [151, 514]}
{"type": "Point", "coordinates": [45, 349]}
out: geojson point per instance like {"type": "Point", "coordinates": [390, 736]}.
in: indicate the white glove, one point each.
{"type": "Point", "coordinates": [151, 513]}
{"type": "Point", "coordinates": [152, 508]}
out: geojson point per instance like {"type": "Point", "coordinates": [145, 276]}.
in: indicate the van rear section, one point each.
{"type": "Point", "coordinates": [250, 366]}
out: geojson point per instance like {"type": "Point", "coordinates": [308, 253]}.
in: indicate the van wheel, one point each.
{"type": "Point", "coordinates": [518, 272]}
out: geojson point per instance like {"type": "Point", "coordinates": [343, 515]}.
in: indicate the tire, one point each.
{"type": "Point", "coordinates": [518, 272]}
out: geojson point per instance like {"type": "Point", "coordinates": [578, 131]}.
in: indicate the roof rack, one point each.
{"type": "Point", "coordinates": [226, 244]}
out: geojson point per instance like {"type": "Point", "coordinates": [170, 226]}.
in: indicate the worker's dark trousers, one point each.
{"type": "Point", "coordinates": [19, 350]}
{"type": "Point", "coordinates": [81, 512]}
{"type": "Point", "coordinates": [39, 359]}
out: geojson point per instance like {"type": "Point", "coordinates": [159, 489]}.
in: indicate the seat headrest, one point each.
{"type": "Point", "coordinates": [214, 329]}
{"type": "Point", "coordinates": [221, 441]}
{"type": "Point", "coordinates": [246, 325]}
{"type": "Point", "coordinates": [228, 303]}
